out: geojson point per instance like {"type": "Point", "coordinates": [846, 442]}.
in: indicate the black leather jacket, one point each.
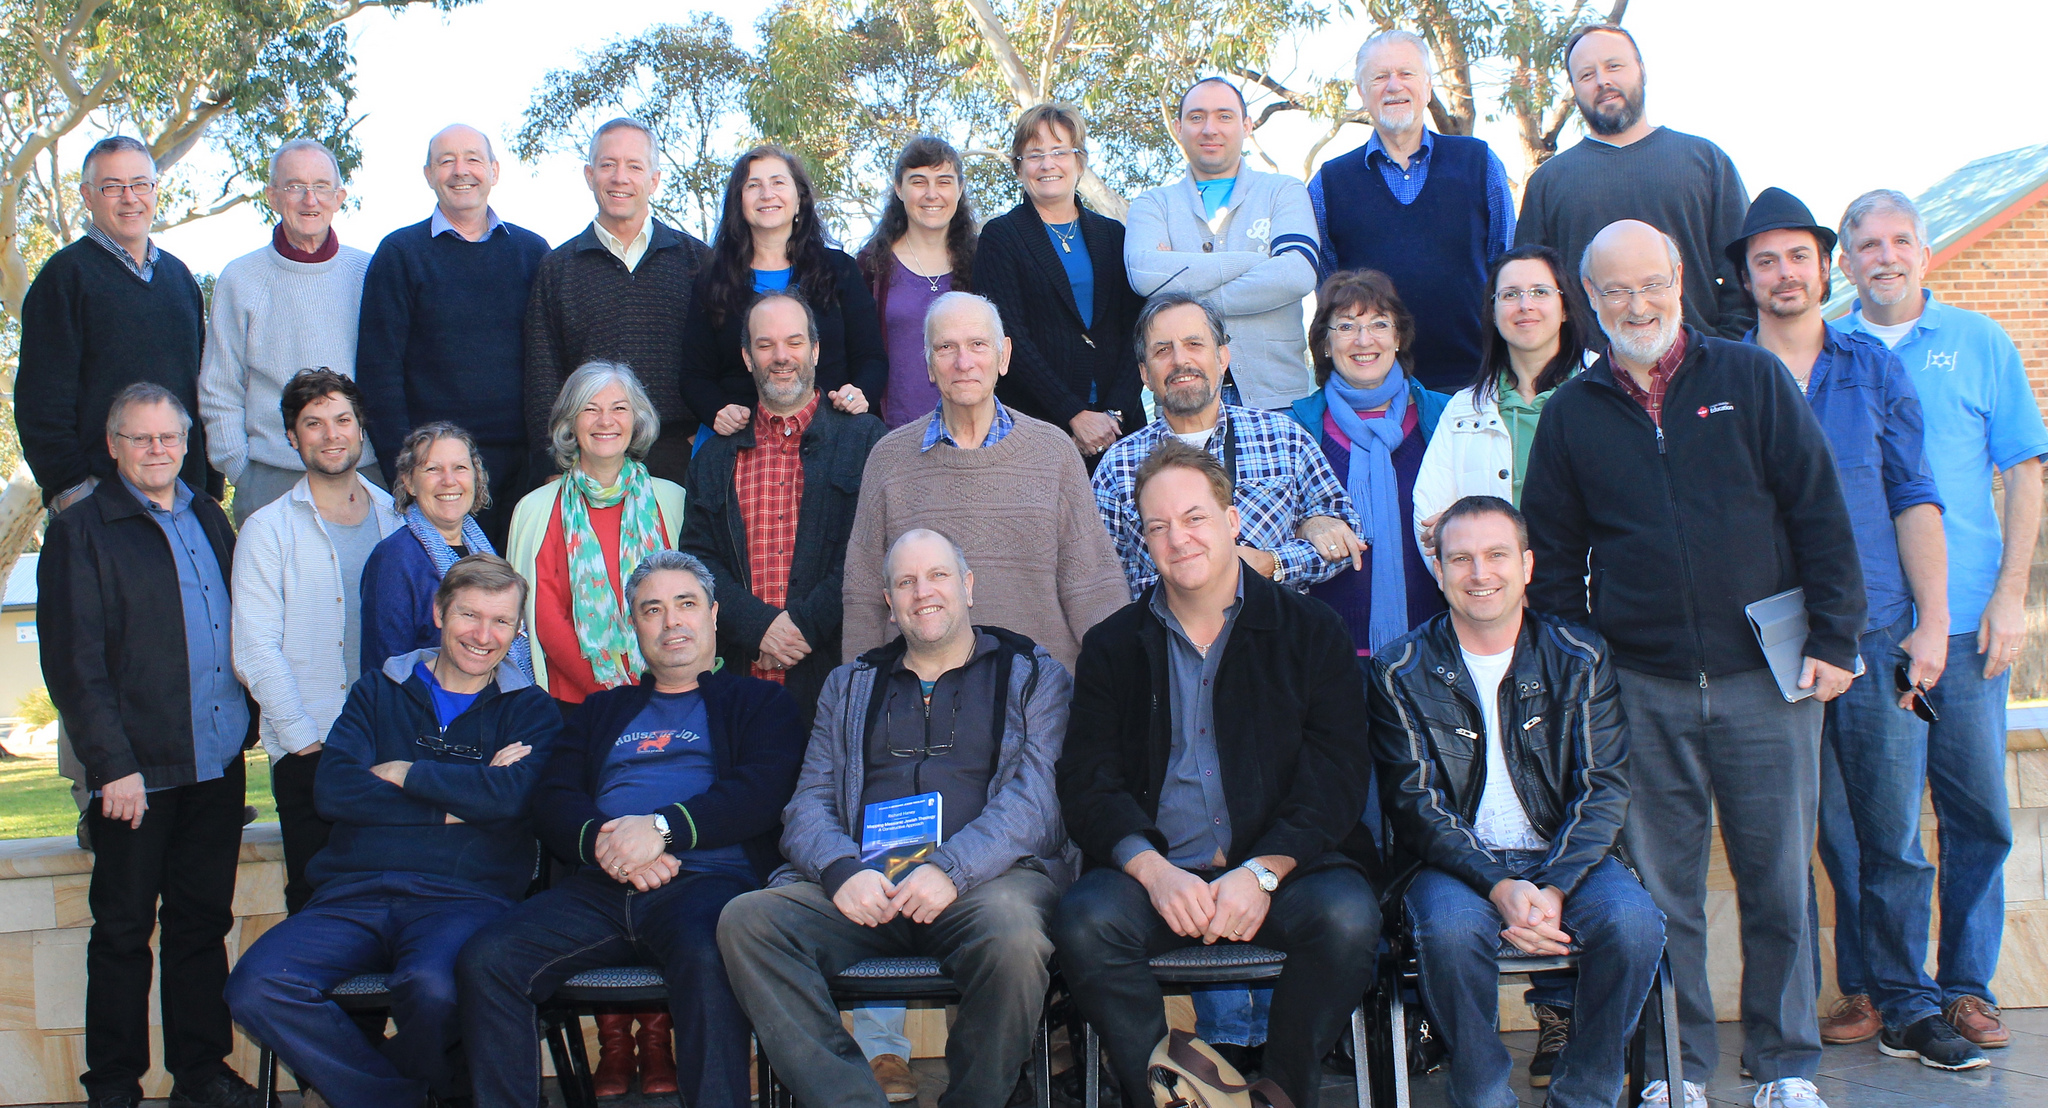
{"type": "Point", "coordinates": [1564, 738]}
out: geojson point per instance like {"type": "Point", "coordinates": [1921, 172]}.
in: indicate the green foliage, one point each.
{"type": "Point", "coordinates": [35, 708]}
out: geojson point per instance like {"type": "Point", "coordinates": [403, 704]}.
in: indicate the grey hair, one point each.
{"type": "Point", "coordinates": [490, 153]}
{"type": "Point", "coordinates": [668, 559]}
{"type": "Point", "coordinates": [297, 144]}
{"type": "Point", "coordinates": [947, 301]}
{"type": "Point", "coordinates": [1877, 201]}
{"type": "Point", "coordinates": [413, 454]}
{"type": "Point", "coordinates": [1671, 255]}
{"type": "Point", "coordinates": [109, 145]}
{"type": "Point", "coordinates": [625, 123]}
{"type": "Point", "coordinates": [140, 394]}
{"type": "Point", "coordinates": [1389, 37]}
{"type": "Point", "coordinates": [1166, 302]}
{"type": "Point", "coordinates": [582, 386]}
{"type": "Point", "coordinates": [919, 533]}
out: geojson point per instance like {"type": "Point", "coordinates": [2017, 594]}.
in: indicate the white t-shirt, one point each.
{"type": "Point", "coordinates": [1197, 439]}
{"type": "Point", "coordinates": [1501, 822]}
{"type": "Point", "coordinates": [1891, 333]}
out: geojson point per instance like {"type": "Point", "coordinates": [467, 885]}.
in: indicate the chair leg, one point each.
{"type": "Point", "coordinates": [1397, 1029]}
{"type": "Point", "coordinates": [1637, 1058]}
{"type": "Point", "coordinates": [1361, 1067]}
{"type": "Point", "coordinates": [1041, 1062]}
{"type": "Point", "coordinates": [1091, 1067]}
{"type": "Point", "coordinates": [266, 1076]}
{"type": "Point", "coordinates": [558, 1049]}
{"type": "Point", "coordinates": [1674, 1054]}
{"type": "Point", "coordinates": [579, 1058]}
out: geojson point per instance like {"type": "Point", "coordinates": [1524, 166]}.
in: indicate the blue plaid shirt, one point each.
{"type": "Point", "coordinates": [936, 433]}
{"type": "Point", "coordinates": [1282, 479]}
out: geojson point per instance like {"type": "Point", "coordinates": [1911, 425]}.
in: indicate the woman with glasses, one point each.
{"type": "Point", "coordinates": [441, 486]}
{"type": "Point", "coordinates": [922, 248]}
{"type": "Point", "coordinates": [1055, 271]}
{"type": "Point", "coordinates": [1533, 345]}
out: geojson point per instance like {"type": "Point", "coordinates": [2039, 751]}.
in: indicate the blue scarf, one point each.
{"type": "Point", "coordinates": [443, 556]}
{"type": "Point", "coordinates": [1374, 492]}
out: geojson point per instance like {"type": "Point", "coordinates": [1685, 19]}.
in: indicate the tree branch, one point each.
{"type": "Point", "coordinates": [997, 38]}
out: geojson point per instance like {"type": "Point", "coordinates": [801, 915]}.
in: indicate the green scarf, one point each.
{"type": "Point", "coordinates": [602, 629]}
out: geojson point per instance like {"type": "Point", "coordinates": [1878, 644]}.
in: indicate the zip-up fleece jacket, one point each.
{"type": "Point", "coordinates": [1732, 500]}
{"type": "Point", "coordinates": [382, 828]}
{"type": "Point", "coordinates": [1562, 734]}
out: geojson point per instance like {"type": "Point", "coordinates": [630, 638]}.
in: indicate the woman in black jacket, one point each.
{"type": "Point", "coordinates": [1071, 365]}
{"type": "Point", "coordinates": [769, 237]}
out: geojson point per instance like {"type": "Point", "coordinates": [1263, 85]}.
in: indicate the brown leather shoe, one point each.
{"type": "Point", "coordinates": [1853, 1019]}
{"type": "Point", "coordinates": [657, 1055]}
{"type": "Point", "coordinates": [1976, 1019]}
{"type": "Point", "coordinates": [614, 1074]}
{"type": "Point", "coordinates": [893, 1074]}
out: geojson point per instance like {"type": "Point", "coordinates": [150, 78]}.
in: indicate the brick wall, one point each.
{"type": "Point", "coordinates": [2005, 276]}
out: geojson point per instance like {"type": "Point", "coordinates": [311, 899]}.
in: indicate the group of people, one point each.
{"type": "Point", "coordinates": [1379, 624]}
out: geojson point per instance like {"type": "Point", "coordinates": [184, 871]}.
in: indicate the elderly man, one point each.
{"type": "Point", "coordinates": [771, 506]}
{"type": "Point", "coordinates": [1627, 169]}
{"type": "Point", "coordinates": [427, 777]}
{"type": "Point", "coordinates": [105, 312]}
{"type": "Point", "coordinates": [298, 564]}
{"type": "Point", "coordinates": [1657, 507]}
{"type": "Point", "coordinates": [444, 305]}
{"type": "Point", "coordinates": [1982, 421]}
{"type": "Point", "coordinates": [1009, 489]}
{"type": "Point", "coordinates": [289, 305]}
{"type": "Point", "coordinates": [136, 649]}
{"type": "Point", "coordinates": [1213, 766]}
{"type": "Point", "coordinates": [667, 795]}
{"type": "Point", "coordinates": [615, 293]}
{"type": "Point", "coordinates": [1239, 237]}
{"type": "Point", "coordinates": [1298, 524]}
{"type": "Point", "coordinates": [1435, 240]}
{"type": "Point", "coordinates": [983, 714]}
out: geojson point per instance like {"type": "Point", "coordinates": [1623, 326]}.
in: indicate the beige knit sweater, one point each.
{"type": "Point", "coordinates": [1021, 510]}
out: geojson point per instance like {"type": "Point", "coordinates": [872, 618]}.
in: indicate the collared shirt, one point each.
{"type": "Point", "coordinates": [1980, 417]}
{"type": "Point", "coordinates": [438, 225]}
{"type": "Point", "coordinates": [220, 711]}
{"type": "Point", "coordinates": [629, 252]}
{"type": "Point", "coordinates": [1406, 184]}
{"type": "Point", "coordinates": [937, 433]}
{"type": "Point", "coordinates": [1193, 815]}
{"type": "Point", "coordinates": [1282, 479]}
{"type": "Point", "coordinates": [768, 478]}
{"type": "Point", "coordinates": [145, 271]}
{"type": "Point", "coordinates": [1651, 399]}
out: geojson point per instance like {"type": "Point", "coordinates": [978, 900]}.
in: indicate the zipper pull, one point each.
{"type": "Point", "coordinates": [1089, 341]}
{"type": "Point", "coordinates": [1533, 721]}
{"type": "Point", "coordinates": [1703, 679]}
{"type": "Point", "coordinates": [1660, 438]}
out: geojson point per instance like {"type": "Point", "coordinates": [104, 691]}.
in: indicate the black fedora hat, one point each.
{"type": "Point", "coordinates": [1774, 209]}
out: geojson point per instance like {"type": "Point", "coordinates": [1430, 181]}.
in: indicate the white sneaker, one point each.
{"type": "Point", "coordinates": [1788, 1092]}
{"type": "Point", "coordinates": [1659, 1093]}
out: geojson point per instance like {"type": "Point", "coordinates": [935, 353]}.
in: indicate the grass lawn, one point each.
{"type": "Point", "coordinates": [35, 802]}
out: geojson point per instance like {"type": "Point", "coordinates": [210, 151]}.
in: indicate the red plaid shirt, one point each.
{"type": "Point", "coordinates": [1660, 379]}
{"type": "Point", "coordinates": [769, 480]}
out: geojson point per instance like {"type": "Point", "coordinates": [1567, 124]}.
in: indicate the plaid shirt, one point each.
{"type": "Point", "coordinates": [1282, 479]}
{"type": "Point", "coordinates": [1660, 380]}
{"type": "Point", "coordinates": [936, 433]}
{"type": "Point", "coordinates": [145, 271]}
{"type": "Point", "coordinates": [768, 478]}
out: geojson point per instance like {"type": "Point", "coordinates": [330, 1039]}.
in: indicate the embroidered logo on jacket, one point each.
{"type": "Point", "coordinates": [1709, 409]}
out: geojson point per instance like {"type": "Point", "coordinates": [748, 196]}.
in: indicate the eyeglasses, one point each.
{"type": "Point", "coordinates": [1534, 294]}
{"type": "Point", "coordinates": [1904, 683]}
{"type": "Point", "coordinates": [1056, 155]}
{"type": "Point", "coordinates": [1352, 329]}
{"type": "Point", "coordinates": [928, 749]}
{"type": "Point", "coordinates": [435, 745]}
{"type": "Point", "coordinates": [322, 193]}
{"type": "Point", "coordinates": [169, 440]}
{"type": "Point", "coordinates": [1619, 298]}
{"type": "Point", "coordinates": [143, 190]}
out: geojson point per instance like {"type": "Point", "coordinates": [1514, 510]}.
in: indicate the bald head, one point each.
{"type": "Point", "coordinates": [460, 136]}
{"type": "Point", "coordinates": [461, 169]}
{"type": "Point", "coordinates": [922, 542]}
{"type": "Point", "coordinates": [930, 593]}
{"type": "Point", "coordinates": [1632, 273]}
{"type": "Point", "coordinates": [1624, 247]}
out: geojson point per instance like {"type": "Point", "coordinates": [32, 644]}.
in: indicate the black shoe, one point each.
{"type": "Point", "coordinates": [114, 1100]}
{"type": "Point", "coordinates": [1553, 1031]}
{"type": "Point", "coordinates": [222, 1090]}
{"type": "Point", "coordinates": [1935, 1043]}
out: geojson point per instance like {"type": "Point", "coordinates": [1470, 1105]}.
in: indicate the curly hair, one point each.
{"type": "Point", "coordinates": [961, 237]}
{"type": "Point", "coordinates": [729, 284]}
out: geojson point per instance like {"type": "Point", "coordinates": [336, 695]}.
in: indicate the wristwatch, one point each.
{"type": "Point", "coordinates": [1268, 880]}
{"type": "Point", "coordinates": [661, 825]}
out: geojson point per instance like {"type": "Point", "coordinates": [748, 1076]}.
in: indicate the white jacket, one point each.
{"type": "Point", "coordinates": [290, 608]}
{"type": "Point", "coordinates": [1471, 454]}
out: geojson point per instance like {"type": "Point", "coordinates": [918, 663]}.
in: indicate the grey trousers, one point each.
{"type": "Point", "coordinates": [780, 944]}
{"type": "Point", "coordinates": [1736, 745]}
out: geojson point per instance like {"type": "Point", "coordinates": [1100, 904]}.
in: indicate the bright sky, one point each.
{"type": "Point", "coordinates": [1826, 98]}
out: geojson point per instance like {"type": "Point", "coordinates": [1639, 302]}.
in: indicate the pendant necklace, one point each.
{"type": "Point", "coordinates": [1066, 237]}
{"type": "Point", "coordinates": [932, 281]}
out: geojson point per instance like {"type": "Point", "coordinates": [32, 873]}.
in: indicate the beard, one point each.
{"type": "Point", "coordinates": [1644, 351]}
{"type": "Point", "coordinates": [1615, 120]}
{"type": "Point", "coordinates": [1188, 399]}
{"type": "Point", "coordinates": [1773, 306]}
{"type": "Point", "coordinates": [1887, 299]}
{"type": "Point", "coordinates": [791, 394]}
{"type": "Point", "coordinates": [1397, 119]}
{"type": "Point", "coordinates": [320, 465]}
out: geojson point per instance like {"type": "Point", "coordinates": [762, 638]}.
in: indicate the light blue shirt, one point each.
{"type": "Point", "coordinates": [1980, 417]}
{"type": "Point", "coordinates": [438, 225]}
{"type": "Point", "coordinates": [1215, 194]}
{"type": "Point", "coordinates": [220, 710]}
{"type": "Point", "coordinates": [771, 280]}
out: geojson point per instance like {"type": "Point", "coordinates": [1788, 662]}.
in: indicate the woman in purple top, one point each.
{"type": "Point", "coordinates": [922, 248]}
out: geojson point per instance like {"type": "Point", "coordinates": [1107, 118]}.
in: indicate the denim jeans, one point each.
{"type": "Point", "coordinates": [407, 924]}
{"type": "Point", "coordinates": [1613, 924]}
{"type": "Point", "coordinates": [1962, 761]}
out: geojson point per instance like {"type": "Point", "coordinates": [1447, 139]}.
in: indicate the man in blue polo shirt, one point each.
{"type": "Point", "coordinates": [1873, 748]}
{"type": "Point", "coordinates": [1981, 421]}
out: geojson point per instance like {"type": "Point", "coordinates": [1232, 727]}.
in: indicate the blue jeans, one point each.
{"type": "Point", "coordinates": [1870, 833]}
{"type": "Point", "coordinates": [588, 922]}
{"type": "Point", "coordinates": [409, 925]}
{"type": "Point", "coordinates": [1612, 922]}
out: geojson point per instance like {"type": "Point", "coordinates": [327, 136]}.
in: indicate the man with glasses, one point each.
{"type": "Point", "coordinates": [136, 647]}
{"type": "Point", "coordinates": [965, 723]}
{"type": "Point", "coordinates": [427, 776]}
{"type": "Point", "coordinates": [290, 305]}
{"type": "Point", "coordinates": [106, 312]}
{"type": "Point", "coordinates": [1693, 475]}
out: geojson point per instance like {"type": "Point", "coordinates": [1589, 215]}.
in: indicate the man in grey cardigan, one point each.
{"type": "Point", "coordinates": [1244, 239]}
{"type": "Point", "coordinates": [976, 716]}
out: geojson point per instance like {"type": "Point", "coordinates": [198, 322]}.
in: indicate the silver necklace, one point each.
{"type": "Point", "coordinates": [932, 281]}
{"type": "Point", "coordinates": [1066, 237]}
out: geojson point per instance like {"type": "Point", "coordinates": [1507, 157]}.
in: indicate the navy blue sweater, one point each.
{"type": "Point", "coordinates": [398, 590]}
{"type": "Point", "coordinates": [379, 828]}
{"type": "Point", "coordinates": [442, 334]}
{"type": "Point", "coordinates": [756, 740]}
